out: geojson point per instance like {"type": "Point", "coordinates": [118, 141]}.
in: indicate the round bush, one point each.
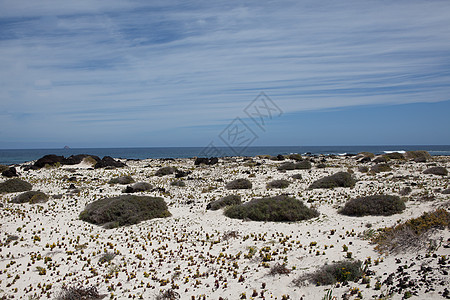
{"type": "Point", "coordinates": [225, 201]}
{"type": "Point", "coordinates": [286, 166]}
{"type": "Point", "coordinates": [277, 209]}
{"type": "Point", "coordinates": [394, 155]}
{"type": "Point", "coordinates": [14, 186]}
{"type": "Point", "coordinates": [124, 210]}
{"type": "Point", "coordinates": [139, 187]}
{"type": "Point", "coordinates": [297, 176]}
{"type": "Point", "coordinates": [122, 180]}
{"type": "Point", "coordinates": [441, 171]}
{"type": "Point", "coordinates": [380, 168]}
{"type": "Point", "coordinates": [165, 171]}
{"type": "Point", "coordinates": [340, 179]}
{"type": "Point", "coordinates": [303, 165]}
{"type": "Point", "coordinates": [239, 184]}
{"type": "Point", "coordinates": [30, 197]}
{"type": "Point", "coordinates": [179, 183]}
{"type": "Point", "coordinates": [418, 156]}
{"type": "Point", "coordinates": [376, 205]}
{"type": "Point", "coordinates": [278, 184]}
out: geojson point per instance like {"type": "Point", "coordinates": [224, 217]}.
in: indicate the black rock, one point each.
{"type": "Point", "coordinates": [207, 161]}
{"type": "Point", "coordinates": [50, 160]}
{"type": "Point", "coordinates": [108, 161]}
{"type": "Point", "coordinates": [180, 174]}
{"type": "Point", "coordinates": [365, 159]}
{"type": "Point", "coordinates": [11, 172]}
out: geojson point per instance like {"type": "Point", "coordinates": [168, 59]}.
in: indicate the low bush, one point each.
{"type": "Point", "coordinates": [378, 168]}
{"type": "Point", "coordinates": [14, 186]}
{"type": "Point", "coordinates": [225, 201]}
{"type": "Point", "coordinates": [446, 191]}
{"type": "Point", "coordinates": [278, 184]}
{"type": "Point", "coordinates": [405, 191]}
{"type": "Point", "coordinates": [363, 169]}
{"type": "Point", "coordinates": [341, 271]}
{"type": "Point", "coordinates": [124, 210]}
{"type": "Point", "coordinates": [394, 155]}
{"type": "Point", "coordinates": [441, 171]}
{"type": "Point", "coordinates": [79, 293]}
{"type": "Point", "coordinates": [286, 166]}
{"type": "Point", "coordinates": [303, 165]}
{"type": "Point", "coordinates": [277, 209]}
{"type": "Point", "coordinates": [165, 171]}
{"type": "Point", "coordinates": [295, 156]}
{"type": "Point", "coordinates": [340, 179]}
{"type": "Point", "coordinates": [122, 180]}
{"type": "Point", "coordinates": [376, 205]}
{"type": "Point", "coordinates": [169, 294]}
{"type": "Point", "coordinates": [3, 168]}
{"type": "Point", "coordinates": [30, 197]}
{"type": "Point", "coordinates": [179, 183]}
{"type": "Point", "coordinates": [297, 176]}
{"type": "Point", "coordinates": [380, 159]}
{"type": "Point", "coordinates": [418, 156]}
{"type": "Point", "coordinates": [138, 187]}
{"type": "Point", "coordinates": [239, 184]}
{"type": "Point", "coordinates": [366, 154]}
{"type": "Point", "coordinates": [412, 234]}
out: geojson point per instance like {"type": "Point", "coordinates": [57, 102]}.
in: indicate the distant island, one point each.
{"type": "Point", "coordinates": [66, 147]}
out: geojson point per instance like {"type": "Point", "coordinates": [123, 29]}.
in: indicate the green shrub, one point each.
{"type": "Point", "coordinates": [381, 159]}
{"type": "Point", "coordinates": [394, 155]}
{"type": "Point", "coordinates": [239, 184]}
{"type": "Point", "coordinates": [303, 165]}
{"type": "Point", "coordinates": [14, 186]}
{"type": "Point", "coordinates": [420, 155]}
{"type": "Point", "coordinates": [225, 201]}
{"type": "Point", "coordinates": [31, 197]}
{"type": "Point", "coordinates": [295, 156]}
{"type": "Point", "coordinates": [124, 210]}
{"type": "Point", "coordinates": [179, 183]}
{"type": "Point", "coordinates": [380, 168]}
{"type": "Point", "coordinates": [277, 209]}
{"type": "Point", "coordinates": [376, 205]}
{"type": "Point", "coordinates": [341, 271]}
{"type": "Point", "coordinates": [441, 171]}
{"type": "Point", "coordinates": [122, 180]}
{"type": "Point", "coordinates": [363, 169]}
{"type": "Point", "coordinates": [411, 234]}
{"type": "Point", "coordinates": [366, 154]}
{"type": "Point", "coordinates": [165, 171]}
{"type": "Point", "coordinates": [286, 166]}
{"type": "Point", "coordinates": [297, 176]}
{"type": "Point", "coordinates": [138, 187]}
{"type": "Point", "coordinates": [340, 179]}
{"type": "Point", "coordinates": [278, 184]}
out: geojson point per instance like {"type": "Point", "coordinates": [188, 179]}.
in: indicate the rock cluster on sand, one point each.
{"type": "Point", "coordinates": [52, 160]}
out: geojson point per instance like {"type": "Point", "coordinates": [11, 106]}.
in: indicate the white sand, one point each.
{"type": "Point", "coordinates": [187, 250]}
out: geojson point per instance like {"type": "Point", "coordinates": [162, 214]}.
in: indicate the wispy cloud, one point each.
{"type": "Point", "coordinates": [88, 68]}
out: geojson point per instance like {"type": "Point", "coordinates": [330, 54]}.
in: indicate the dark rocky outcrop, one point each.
{"type": "Point", "coordinates": [109, 162]}
{"type": "Point", "coordinates": [181, 174]}
{"type": "Point", "coordinates": [15, 185]}
{"type": "Point", "coordinates": [206, 161]}
{"type": "Point", "coordinates": [165, 171]}
{"type": "Point", "coordinates": [11, 172]}
{"type": "Point", "coordinates": [124, 210]}
{"type": "Point", "coordinates": [52, 160]}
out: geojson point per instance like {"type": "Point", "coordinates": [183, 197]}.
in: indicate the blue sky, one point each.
{"type": "Point", "coordinates": [176, 73]}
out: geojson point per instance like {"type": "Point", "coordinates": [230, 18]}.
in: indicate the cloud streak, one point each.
{"type": "Point", "coordinates": [127, 64]}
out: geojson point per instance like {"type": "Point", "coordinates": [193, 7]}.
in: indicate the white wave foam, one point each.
{"type": "Point", "coordinates": [395, 151]}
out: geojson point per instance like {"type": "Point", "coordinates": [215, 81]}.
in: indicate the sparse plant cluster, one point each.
{"type": "Point", "coordinates": [341, 271]}
{"type": "Point", "coordinates": [79, 293]}
{"type": "Point", "coordinates": [165, 171]}
{"type": "Point", "coordinates": [375, 205]}
{"type": "Point", "coordinates": [300, 165]}
{"type": "Point", "coordinates": [277, 209]}
{"type": "Point", "coordinates": [412, 234]}
{"type": "Point", "coordinates": [378, 168]}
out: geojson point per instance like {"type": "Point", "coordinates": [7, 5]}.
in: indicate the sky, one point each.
{"type": "Point", "coordinates": [183, 73]}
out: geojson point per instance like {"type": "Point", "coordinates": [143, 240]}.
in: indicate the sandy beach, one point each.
{"type": "Point", "coordinates": [197, 253]}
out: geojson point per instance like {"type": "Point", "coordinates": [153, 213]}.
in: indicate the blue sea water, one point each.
{"type": "Point", "coordinates": [18, 156]}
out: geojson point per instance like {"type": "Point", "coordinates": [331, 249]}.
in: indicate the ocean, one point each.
{"type": "Point", "coordinates": [18, 156]}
